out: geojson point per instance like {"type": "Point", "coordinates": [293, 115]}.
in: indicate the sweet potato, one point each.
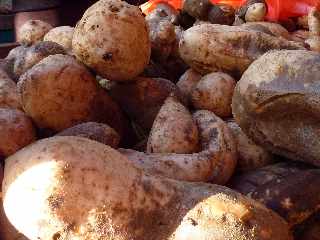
{"type": "Point", "coordinates": [173, 130]}
{"type": "Point", "coordinates": [276, 87]}
{"type": "Point", "coordinates": [62, 35]}
{"type": "Point", "coordinates": [112, 38]}
{"type": "Point", "coordinates": [9, 97]}
{"type": "Point", "coordinates": [214, 92]}
{"type": "Point", "coordinates": [84, 189]}
{"type": "Point", "coordinates": [274, 29]}
{"type": "Point", "coordinates": [95, 131]}
{"type": "Point", "coordinates": [250, 155]}
{"type": "Point", "coordinates": [30, 56]}
{"type": "Point", "coordinates": [284, 188]}
{"type": "Point", "coordinates": [231, 49]}
{"type": "Point", "coordinates": [215, 162]}
{"type": "Point", "coordinates": [60, 92]}
{"type": "Point", "coordinates": [187, 82]}
{"type": "Point", "coordinates": [16, 131]}
{"type": "Point", "coordinates": [33, 32]}
{"type": "Point", "coordinates": [143, 98]}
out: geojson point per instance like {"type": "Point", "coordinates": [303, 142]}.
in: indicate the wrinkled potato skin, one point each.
{"type": "Point", "coordinates": [173, 130]}
{"type": "Point", "coordinates": [33, 55]}
{"type": "Point", "coordinates": [143, 98]}
{"type": "Point", "coordinates": [95, 131]}
{"type": "Point", "coordinates": [314, 43]}
{"type": "Point", "coordinates": [250, 155]}
{"type": "Point", "coordinates": [130, 206]}
{"type": "Point", "coordinates": [62, 35]}
{"type": "Point", "coordinates": [282, 188]}
{"type": "Point", "coordinates": [16, 131]}
{"type": "Point", "coordinates": [279, 85]}
{"type": "Point", "coordinates": [215, 162]}
{"type": "Point", "coordinates": [187, 82]}
{"type": "Point", "coordinates": [300, 36]}
{"type": "Point", "coordinates": [214, 93]}
{"type": "Point", "coordinates": [33, 32]}
{"type": "Point", "coordinates": [112, 38]}
{"type": "Point", "coordinates": [9, 97]}
{"type": "Point", "coordinates": [60, 92]}
{"type": "Point", "coordinates": [231, 49]}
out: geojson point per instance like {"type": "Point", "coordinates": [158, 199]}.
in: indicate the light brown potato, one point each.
{"type": "Point", "coordinates": [30, 56]}
{"type": "Point", "coordinates": [143, 98]}
{"type": "Point", "coordinates": [82, 189]}
{"type": "Point", "coordinates": [60, 92]}
{"type": "Point", "coordinates": [215, 162]}
{"type": "Point", "coordinates": [32, 32]}
{"type": "Point", "coordinates": [276, 87]}
{"type": "Point", "coordinates": [16, 131]}
{"type": "Point", "coordinates": [187, 82]}
{"type": "Point", "coordinates": [214, 93]}
{"type": "Point", "coordinates": [9, 97]}
{"type": "Point", "coordinates": [173, 130]}
{"type": "Point", "coordinates": [229, 49]}
{"type": "Point", "coordinates": [62, 35]}
{"type": "Point", "coordinates": [95, 131]}
{"type": "Point", "coordinates": [250, 155]}
{"type": "Point", "coordinates": [112, 38]}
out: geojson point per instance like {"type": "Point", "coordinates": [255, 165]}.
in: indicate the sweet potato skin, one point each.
{"type": "Point", "coordinates": [33, 32]}
{"type": "Point", "coordinates": [95, 131]}
{"type": "Point", "coordinates": [229, 49]}
{"type": "Point", "coordinates": [282, 188]}
{"type": "Point", "coordinates": [16, 131]}
{"type": "Point", "coordinates": [125, 206]}
{"type": "Point", "coordinates": [101, 40]}
{"type": "Point", "coordinates": [215, 162]}
{"type": "Point", "coordinates": [9, 97]}
{"type": "Point", "coordinates": [279, 85]}
{"type": "Point", "coordinates": [60, 92]}
{"type": "Point", "coordinates": [173, 130]}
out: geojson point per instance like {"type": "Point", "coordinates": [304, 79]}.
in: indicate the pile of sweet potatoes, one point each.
{"type": "Point", "coordinates": [192, 124]}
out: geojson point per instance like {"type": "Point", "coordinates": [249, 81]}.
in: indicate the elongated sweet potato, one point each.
{"type": "Point", "coordinates": [82, 189]}
{"type": "Point", "coordinates": [210, 48]}
{"type": "Point", "coordinates": [215, 162]}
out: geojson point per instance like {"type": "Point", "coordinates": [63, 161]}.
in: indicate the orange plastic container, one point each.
{"type": "Point", "coordinates": [281, 10]}
{"type": "Point", "coordinates": [277, 9]}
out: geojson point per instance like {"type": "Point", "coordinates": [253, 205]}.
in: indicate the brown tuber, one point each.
{"type": "Point", "coordinates": [173, 130]}
{"type": "Point", "coordinates": [82, 189]}
{"type": "Point", "coordinates": [215, 162]}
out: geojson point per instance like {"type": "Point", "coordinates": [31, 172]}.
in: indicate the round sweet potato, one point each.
{"type": "Point", "coordinates": [9, 97]}
{"type": "Point", "coordinates": [60, 92]}
{"type": "Point", "coordinates": [250, 155]}
{"type": "Point", "coordinates": [32, 32]}
{"type": "Point", "coordinates": [62, 35]}
{"type": "Point", "coordinates": [173, 130]}
{"type": "Point", "coordinates": [16, 131]}
{"type": "Point", "coordinates": [231, 49]}
{"type": "Point", "coordinates": [215, 162]}
{"type": "Point", "coordinates": [276, 104]}
{"type": "Point", "coordinates": [282, 188]}
{"type": "Point", "coordinates": [112, 38]}
{"type": "Point", "coordinates": [95, 131]}
{"type": "Point", "coordinates": [214, 93]}
{"type": "Point", "coordinates": [82, 189]}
